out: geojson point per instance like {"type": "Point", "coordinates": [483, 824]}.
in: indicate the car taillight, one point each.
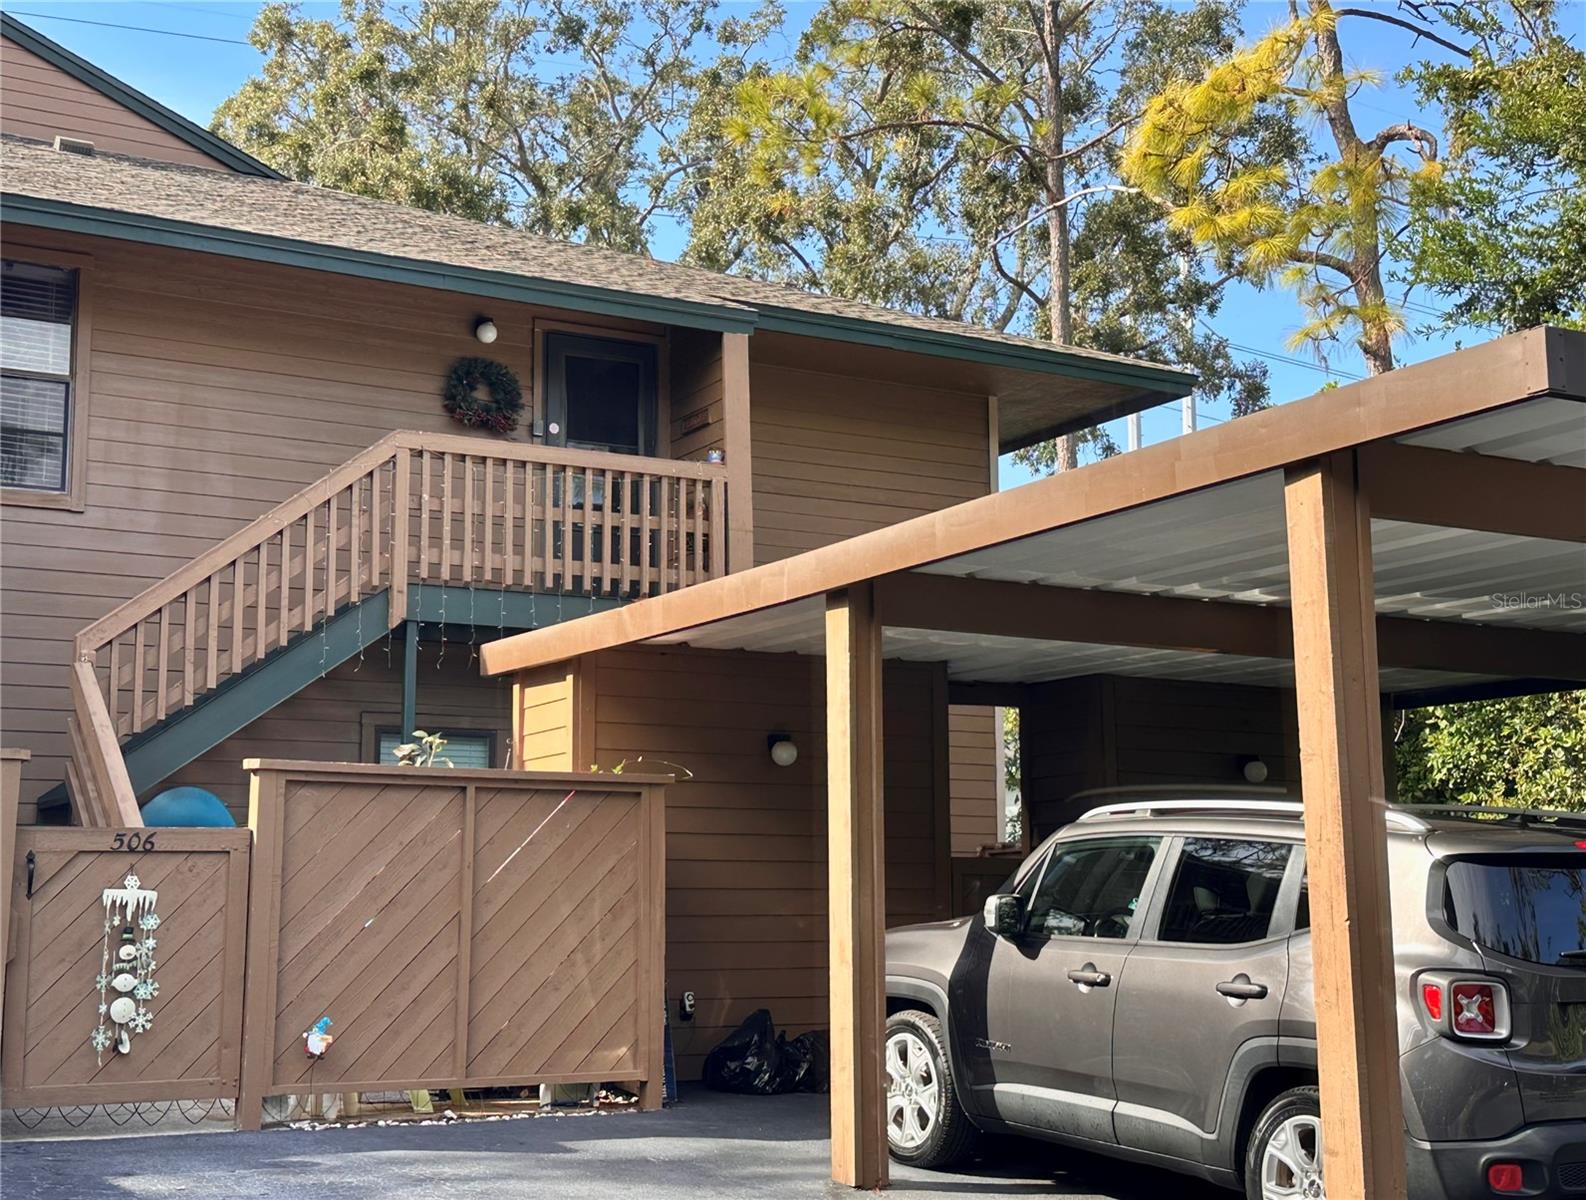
{"type": "Point", "coordinates": [1432, 998]}
{"type": "Point", "coordinates": [1464, 1008]}
{"type": "Point", "coordinates": [1475, 1007]}
{"type": "Point", "coordinates": [1506, 1177]}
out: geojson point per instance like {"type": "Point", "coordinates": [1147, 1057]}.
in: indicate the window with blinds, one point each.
{"type": "Point", "coordinates": [37, 307]}
{"type": "Point", "coordinates": [470, 750]}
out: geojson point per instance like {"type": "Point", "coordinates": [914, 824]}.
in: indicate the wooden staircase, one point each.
{"type": "Point", "coordinates": [412, 509]}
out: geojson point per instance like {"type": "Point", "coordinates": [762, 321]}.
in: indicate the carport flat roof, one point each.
{"type": "Point", "coordinates": [1171, 561]}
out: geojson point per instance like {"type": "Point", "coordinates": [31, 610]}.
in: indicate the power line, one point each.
{"type": "Point", "coordinates": [197, 37]}
{"type": "Point", "coordinates": [1293, 362]}
{"type": "Point", "coordinates": [213, 12]}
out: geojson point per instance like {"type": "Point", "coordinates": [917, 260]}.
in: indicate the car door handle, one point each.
{"type": "Point", "coordinates": [1240, 988]}
{"type": "Point", "coordinates": [1088, 976]}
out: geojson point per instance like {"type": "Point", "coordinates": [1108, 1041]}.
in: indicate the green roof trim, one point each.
{"type": "Point", "coordinates": [147, 107]}
{"type": "Point", "coordinates": [1050, 359]}
{"type": "Point", "coordinates": [208, 239]}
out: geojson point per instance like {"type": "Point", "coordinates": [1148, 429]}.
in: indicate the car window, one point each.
{"type": "Point", "coordinates": [1224, 891]}
{"type": "Point", "coordinates": [1091, 889]}
{"type": "Point", "coordinates": [1526, 906]}
{"type": "Point", "coordinates": [1026, 885]}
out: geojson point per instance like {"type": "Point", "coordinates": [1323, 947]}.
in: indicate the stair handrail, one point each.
{"type": "Point", "coordinates": [146, 603]}
{"type": "Point", "coordinates": [149, 601]}
{"type": "Point", "coordinates": [110, 800]}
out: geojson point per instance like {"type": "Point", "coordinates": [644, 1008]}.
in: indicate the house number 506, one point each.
{"type": "Point", "coordinates": [133, 841]}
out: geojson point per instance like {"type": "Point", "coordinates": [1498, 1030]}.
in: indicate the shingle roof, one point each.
{"type": "Point", "coordinates": [288, 212]}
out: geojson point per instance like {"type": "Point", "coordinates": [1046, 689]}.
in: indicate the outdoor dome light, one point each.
{"type": "Point", "coordinates": [784, 750]}
{"type": "Point", "coordinates": [485, 330]}
{"type": "Point", "coordinates": [1255, 770]}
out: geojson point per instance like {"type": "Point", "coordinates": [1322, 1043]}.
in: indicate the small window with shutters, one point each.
{"type": "Point", "coordinates": [38, 312]}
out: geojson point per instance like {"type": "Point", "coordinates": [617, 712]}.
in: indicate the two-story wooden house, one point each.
{"type": "Point", "coordinates": [240, 521]}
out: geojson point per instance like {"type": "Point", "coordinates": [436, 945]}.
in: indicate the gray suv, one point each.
{"type": "Point", "coordinates": [1142, 988]}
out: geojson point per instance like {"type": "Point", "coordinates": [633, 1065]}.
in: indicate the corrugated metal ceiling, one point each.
{"type": "Point", "coordinates": [1229, 543]}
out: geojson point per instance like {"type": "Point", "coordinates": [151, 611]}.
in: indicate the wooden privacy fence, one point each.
{"type": "Point", "coordinates": [192, 1049]}
{"type": "Point", "coordinates": [459, 928]}
{"type": "Point", "coordinates": [11, 761]}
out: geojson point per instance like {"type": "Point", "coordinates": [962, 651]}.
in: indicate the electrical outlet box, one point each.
{"type": "Point", "coordinates": [685, 1006]}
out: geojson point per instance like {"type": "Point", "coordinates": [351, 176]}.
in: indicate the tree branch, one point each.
{"type": "Point", "coordinates": [1068, 199]}
{"type": "Point", "coordinates": [1095, 141]}
{"type": "Point", "coordinates": [1390, 19]}
{"type": "Point", "coordinates": [1426, 143]}
{"type": "Point", "coordinates": [1320, 258]}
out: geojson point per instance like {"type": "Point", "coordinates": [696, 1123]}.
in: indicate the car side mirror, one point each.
{"type": "Point", "coordinates": [1005, 915]}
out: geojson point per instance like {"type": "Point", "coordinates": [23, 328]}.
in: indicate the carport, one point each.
{"type": "Point", "coordinates": [1413, 535]}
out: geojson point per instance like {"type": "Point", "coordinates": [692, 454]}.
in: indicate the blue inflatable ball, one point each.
{"type": "Point", "coordinates": [187, 807]}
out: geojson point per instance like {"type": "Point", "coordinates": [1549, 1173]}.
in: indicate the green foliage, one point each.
{"type": "Point", "coordinates": [1529, 751]}
{"type": "Point", "coordinates": [561, 116]}
{"type": "Point", "coordinates": [1500, 235]}
{"type": "Point", "coordinates": [1218, 151]}
{"type": "Point", "coordinates": [925, 156]}
{"type": "Point", "coordinates": [1013, 818]}
{"type": "Point", "coordinates": [423, 751]}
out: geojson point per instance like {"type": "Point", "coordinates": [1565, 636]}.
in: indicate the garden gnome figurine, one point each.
{"type": "Point", "coordinates": [318, 1039]}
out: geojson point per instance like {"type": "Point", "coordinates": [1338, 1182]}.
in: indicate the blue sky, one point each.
{"type": "Point", "coordinates": [138, 40]}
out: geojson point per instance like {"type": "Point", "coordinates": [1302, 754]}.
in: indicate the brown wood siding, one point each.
{"type": "Point", "coordinates": [746, 852]}
{"type": "Point", "coordinates": [972, 777]}
{"type": "Point", "coordinates": [335, 719]}
{"type": "Point", "coordinates": [1121, 731]}
{"type": "Point", "coordinates": [1060, 749]}
{"type": "Point", "coordinates": [1175, 731]}
{"type": "Point", "coordinates": [218, 388]}
{"type": "Point", "coordinates": [38, 100]}
{"type": "Point", "coordinates": [836, 456]}
{"type": "Point", "coordinates": [697, 394]}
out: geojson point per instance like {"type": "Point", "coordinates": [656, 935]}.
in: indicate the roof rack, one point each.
{"type": "Point", "coordinates": [1520, 816]}
{"type": "Point", "coordinates": [1151, 808]}
{"type": "Point", "coordinates": [1397, 818]}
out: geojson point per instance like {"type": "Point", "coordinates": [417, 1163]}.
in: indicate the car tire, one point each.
{"type": "Point", "coordinates": [1285, 1152]}
{"type": "Point", "coordinates": [926, 1125]}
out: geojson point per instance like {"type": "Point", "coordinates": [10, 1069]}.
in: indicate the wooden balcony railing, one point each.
{"type": "Point", "coordinates": [413, 508]}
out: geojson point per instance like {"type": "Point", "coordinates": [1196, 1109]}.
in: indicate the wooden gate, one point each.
{"type": "Point", "coordinates": [192, 1050]}
{"type": "Point", "coordinates": [459, 928]}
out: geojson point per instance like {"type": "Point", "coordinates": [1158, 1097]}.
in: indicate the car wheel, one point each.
{"type": "Point", "coordinates": [926, 1126]}
{"type": "Point", "coordinates": [1284, 1161]}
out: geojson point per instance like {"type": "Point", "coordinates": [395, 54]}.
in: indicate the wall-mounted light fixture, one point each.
{"type": "Point", "coordinates": [485, 330]}
{"type": "Point", "coordinates": [1253, 769]}
{"type": "Point", "coordinates": [784, 750]}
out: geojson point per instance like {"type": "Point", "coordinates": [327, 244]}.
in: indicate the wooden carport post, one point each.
{"type": "Point", "coordinates": [1335, 676]}
{"type": "Point", "coordinates": [856, 886]}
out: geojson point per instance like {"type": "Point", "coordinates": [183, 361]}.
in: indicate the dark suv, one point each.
{"type": "Point", "coordinates": [1142, 988]}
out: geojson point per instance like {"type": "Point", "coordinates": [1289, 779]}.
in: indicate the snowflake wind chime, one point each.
{"type": "Point", "coordinates": [129, 971]}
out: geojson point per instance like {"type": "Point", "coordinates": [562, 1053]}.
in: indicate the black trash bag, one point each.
{"type": "Point", "coordinates": [813, 1053]}
{"type": "Point", "coordinates": [756, 1060]}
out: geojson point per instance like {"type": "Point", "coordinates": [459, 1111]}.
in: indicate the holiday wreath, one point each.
{"type": "Point", "coordinates": [499, 413]}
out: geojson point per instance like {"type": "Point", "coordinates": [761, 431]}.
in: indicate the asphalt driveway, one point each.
{"type": "Point", "coordinates": [709, 1147]}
